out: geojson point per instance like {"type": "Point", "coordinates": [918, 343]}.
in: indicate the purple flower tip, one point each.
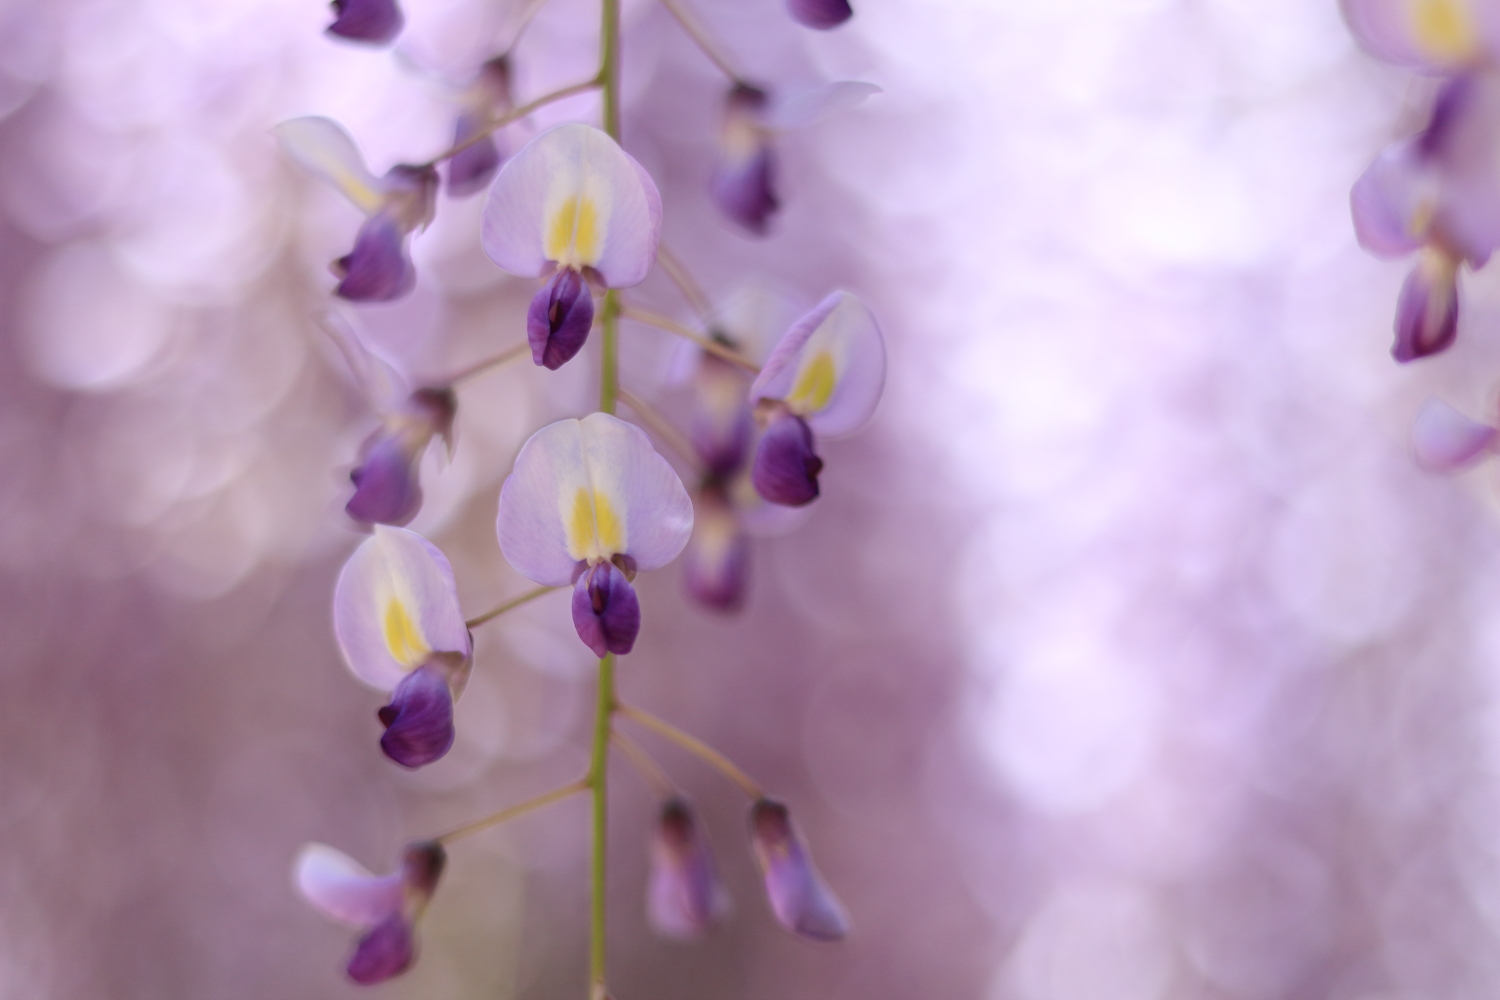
{"type": "Point", "coordinates": [820, 14]}
{"type": "Point", "coordinates": [684, 897]}
{"type": "Point", "coordinates": [419, 719]}
{"type": "Point", "coordinates": [786, 467]}
{"type": "Point", "coordinates": [471, 168]}
{"type": "Point", "coordinates": [373, 21]}
{"type": "Point", "coordinates": [422, 865]}
{"type": "Point", "coordinates": [559, 320]}
{"type": "Point", "coordinates": [385, 951]}
{"type": "Point", "coordinates": [386, 489]}
{"type": "Point", "coordinates": [716, 564]}
{"type": "Point", "coordinates": [800, 900]}
{"type": "Point", "coordinates": [606, 612]}
{"type": "Point", "coordinates": [745, 191]}
{"type": "Point", "coordinates": [1427, 311]}
{"type": "Point", "coordinates": [377, 269]}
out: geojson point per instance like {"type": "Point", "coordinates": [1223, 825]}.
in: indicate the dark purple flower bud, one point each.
{"type": "Point", "coordinates": [1427, 311]}
{"type": "Point", "coordinates": [744, 181]}
{"type": "Point", "coordinates": [786, 467]}
{"type": "Point", "coordinates": [800, 900]}
{"type": "Point", "coordinates": [684, 898]}
{"type": "Point", "coordinates": [820, 14]}
{"type": "Point", "coordinates": [419, 719]}
{"type": "Point", "coordinates": [386, 487]}
{"type": "Point", "coordinates": [377, 269]}
{"type": "Point", "coordinates": [559, 319]}
{"type": "Point", "coordinates": [421, 866]}
{"type": "Point", "coordinates": [374, 21]}
{"type": "Point", "coordinates": [606, 612]}
{"type": "Point", "coordinates": [716, 562]}
{"type": "Point", "coordinates": [472, 167]}
{"type": "Point", "coordinates": [385, 951]}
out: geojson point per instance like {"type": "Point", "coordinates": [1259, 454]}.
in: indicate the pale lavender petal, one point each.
{"type": "Point", "coordinates": [559, 319]}
{"type": "Point", "coordinates": [395, 605]}
{"type": "Point", "coordinates": [800, 108]}
{"type": "Point", "coordinates": [323, 147]}
{"type": "Point", "coordinates": [800, 900]}
{"type": "Point", "coordinates": [684, 898]}
{"type": "Point", "coordinates": [829, 367]}
{"type": "Point", "coordinates": [1385, 203]}
{"type": "Point", "coordinates": [820, 14]}
{"type": "Point", "coordinates": [745, 190]}
{"type": "Point", "coordinates": [377, 269]}
{"type": "Point", "coordinates": [419, 720]}
{"type": "Point", "coordinates": [471, 168]}
{"type": "Point", "coordinates": [601, 456]}
{"type": "Point", "coordinates": [716, 563]}
{"type": "Point", "coordinates": [374, 21]}
{"type": "Point", "coordinates": [1429, 35]}
{"type": "Point", "coordinates": [385, 951]}
{"type": "Point", "coordinates": [573, 197]}
{"type": "Point", "coordinates": [722, 423]}
{"type": "Point", "coordinates": [343, 889]}
{"type": "Point", "coordinates": [606, 612]}
{"type": "Point", "coordinates": [1427, 311]}
{"type": "Point", "coordinates": [386, 486]}
{"type": "Point", "coordinates": [1445, 440]}
{"type": "Point", "coordinates": [786, 466]}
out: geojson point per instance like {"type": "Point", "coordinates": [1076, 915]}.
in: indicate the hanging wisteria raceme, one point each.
{"type": "Point", "coordinates": [589, 502]}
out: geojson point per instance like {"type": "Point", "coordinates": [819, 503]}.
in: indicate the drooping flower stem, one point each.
{"type": "Point", "coordinates": [599, 784]}
{"type": "Point", "coordinates": [516, 115]}
{"type": "Point", "coordinates": [504, 815]}
{"type": "Point", "coordinates": [489, 364]}
{"type": "Point", "coordinates": [644, 765]}
{"type": "Point", "coordinates": [680, 277]}
{"type": "Point", "coordinates": [709, 344]}
{"type": "Point", "coordinates": [700, 37]}
{"type": "Point", "coordinates": [514, 602]}
{"type": "Point", "coordinates": [659, 425]}
{"type": "Point", "coordinates": [694, 746]}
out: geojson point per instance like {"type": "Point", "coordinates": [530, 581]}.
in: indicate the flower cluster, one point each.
{"type": "Point", "coordinates": [589, 502]}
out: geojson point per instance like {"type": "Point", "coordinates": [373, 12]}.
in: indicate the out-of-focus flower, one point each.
{"type": "Point", "coordinates": [590, 503]}
{"type": "Point", "coordinates": [378, 268]}
{"type": "Point", "coordinates": [1437, 36]}
{"type": "Point", "coordinates": [574, 207]}
{"type": "Point", "coordinates": [387, 906]}
{"type": "Point", "coordinates": [486, 97]}
{"type": "Point", "coordinates": [1445, 440]}
{"type": "Point", "coordinates": [744, 179]}
{"type": "Point", "coordinates": [1436, 191]}
{"type": "Point", "coordinates": [398, 623]}
{"type": "Point", "coordinates": [820, 14]}
{"type": "Point", "coordinates": [825, 376]}
{"type": "Point", "coordinates": [799, 898]}
{"type": "Point", "coordinates": [684, 897]}
{"type": "Point", "coordinates": [373, 21]}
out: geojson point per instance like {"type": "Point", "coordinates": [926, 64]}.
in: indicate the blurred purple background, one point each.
{"type": "Point", "coordinates": [1127, 657]}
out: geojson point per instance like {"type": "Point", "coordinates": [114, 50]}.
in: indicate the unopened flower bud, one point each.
{"type": "Point", "coordinates": [684, 896]}
{"type": "Point", "coordinates": [373, 21]}
{"type": "Point", "coordinates": [800, 900]}
{"type": "Point", "coordinates": [1427, 311]}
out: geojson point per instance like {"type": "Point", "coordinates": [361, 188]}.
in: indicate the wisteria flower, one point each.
{"type": "Point", "coordinates": [824, 377]}
{"type": "Point", "coordinates": [575, 208]}
{"type": "Point", "coordinates": [378, 268]}
{"type": "Point", "coordinates": [1437, 36]}
{"type": "Point", "coordinates": [744, 179]}
{"type": "Point", "coordinates": [386, 906]}
{"type": "Point", "coordinates": [398, 623]}
{"type": "Point", "coordinates": [1444, 440]}
{"type": "Point", "coordinates": [799, 898]}
{"type": "Point", "coordinates": [590, 503]}
{"type": "Point", "coordinates": [820, 14]}
{"type": "Point", "coordinates": [487, 96]}
{"type": "Point", "coordinates": [684, 897]}
{"type": "Point", "coordinates": [374, 21]}
{"type": "Point", "coordinates": [1436, 192]}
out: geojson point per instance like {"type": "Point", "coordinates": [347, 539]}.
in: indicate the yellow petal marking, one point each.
{"type": "Point", "coordinates": [813, 385]}
{"type": "Point", "coordinates": [595, 531]}
{"type": "Point", "coordinates": [1445, 30]}
{"type": "Point", "coordinates": [573, 235]}
{"type": "Point", "coordinates": [403, 636]}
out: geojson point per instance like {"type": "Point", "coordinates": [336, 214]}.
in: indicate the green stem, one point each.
{"type": "Point", "coordinates": [599, 784]}
{"type": "Point", "coordinates": [609, 352]}
{"type": "Point", "coordinates": [514, 602]}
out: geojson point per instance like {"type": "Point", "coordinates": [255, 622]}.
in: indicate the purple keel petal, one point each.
{"type": "Point", "coordinates": [786, 467]}
{"type": "Point", "coordinates": [471, 168]}
{"type": "Point", "coordinates": [1445, 440]}
{"type": "Point", "coordinates": [374, 21]}
{"type": "Point", "coordinates": [377, 269]}
{"type": "Point", "coordinates": [606, 612]}
{"type": "Point", "coordinates": [385, 951]}
{"type": "Point", "coordinates": [386, 487]}
{"type": "Point", "coordinates": [800, 900]}
{"type": "Point", "coordinates": [560, 318]}
{"type": "Point", "coordinates": [419, 719]}
{"type": "Point", "coordinates": [1427, 311]}
{"type": "Point", "coordinates": [745, 190]}
{"type": "Point", "coordinates": [820, 14]}
{"type": "Point", "coordinates": [716, 563]}
{"type": "Point", "coordinates": [684, 898]}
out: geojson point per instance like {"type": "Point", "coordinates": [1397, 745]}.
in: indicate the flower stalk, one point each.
{"type": "Point", "coordinates": [514, 602]}
{"type": "Point", "coordinates": [696, 747]}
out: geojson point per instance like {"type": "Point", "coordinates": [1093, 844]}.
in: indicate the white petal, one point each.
{"type": "Point", "coordinates": [322, 146]}
{"type": "Point", "coordinates": [341, 887]}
